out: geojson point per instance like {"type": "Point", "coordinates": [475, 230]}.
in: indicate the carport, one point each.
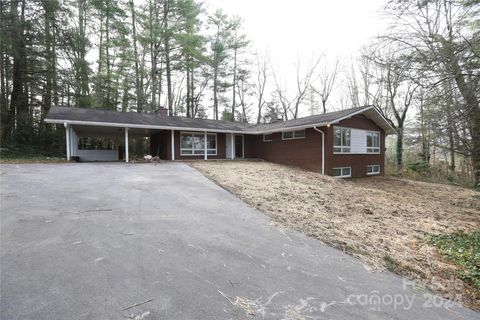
{"type": "Point", "coordinates": [119, 149]}
{"type": "Point", "coordinates": [171, 137]}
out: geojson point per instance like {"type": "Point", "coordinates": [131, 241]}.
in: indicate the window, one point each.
{"type": "Point", "coordinates": [341, 140]}
{"type": "Point", "coordinates": [289, 135]}
{"type": "Point", "coordinates": [373, 169]}
{"type": "Point", "coordinates": [344, 172]}
{"type": "Point", "coordinates": [193, 144]}
{"type": "Point", "coordinates": [267, 137]}
{"type": "Point", "coordinates": [373, 142]}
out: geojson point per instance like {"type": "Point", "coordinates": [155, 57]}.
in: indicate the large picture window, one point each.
{"type": "Point", "coordinates": [373, 142]}
{"type": "Point", "coordinates": [341, 140]}
{"type": "Point", "coordinates": [192, 144]}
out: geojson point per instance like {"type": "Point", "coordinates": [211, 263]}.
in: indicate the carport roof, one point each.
{"type": "Point", "coordinates": [109, 118]}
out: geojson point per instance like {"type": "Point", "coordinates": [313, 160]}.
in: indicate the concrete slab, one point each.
{"type": "Point", "coordinates": [144, 241]}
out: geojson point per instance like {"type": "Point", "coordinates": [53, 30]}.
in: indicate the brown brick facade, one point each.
{"type": "Point", "coordinates": [305, 152]}
{"type": "Point", "coordinates": [358, 162]}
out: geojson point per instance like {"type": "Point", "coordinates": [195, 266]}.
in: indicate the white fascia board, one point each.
{"type": "Point", "coordinates": [142, 126]}
{"type": "Point", "coordinates": [290, 128]}
{"type": "Point", "coordinates": [362, 111]}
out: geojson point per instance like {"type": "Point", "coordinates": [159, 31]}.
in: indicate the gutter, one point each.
{"type": "Point", "coordinates": [142, 126]}
{"type": "Point", "coordinates": [323, 148]}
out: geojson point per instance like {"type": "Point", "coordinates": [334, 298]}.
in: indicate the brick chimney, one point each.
{"type": "Point", "coordinates": [162, 112]}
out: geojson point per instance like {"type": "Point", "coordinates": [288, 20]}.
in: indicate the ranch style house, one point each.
{"type": "Point", "coordinates": [346, 143]}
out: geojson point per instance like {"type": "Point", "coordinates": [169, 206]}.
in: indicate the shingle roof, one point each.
{"type": "Point", "coordinates": [145, 120]}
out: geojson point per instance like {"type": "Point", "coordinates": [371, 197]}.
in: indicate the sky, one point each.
{"type": "Point", "coordinates": [289, 28]}
{"type": "Point", "coordinates": [298, 30]}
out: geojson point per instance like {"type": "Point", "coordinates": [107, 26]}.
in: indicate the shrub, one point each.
{"type": "Point", "coordinates": [463, 249]}
{"type": "Point", "coordinates": [420, 167]}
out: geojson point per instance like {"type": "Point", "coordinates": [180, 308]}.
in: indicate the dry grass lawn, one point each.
{"type": "Point", "coordinates": [381, 220]}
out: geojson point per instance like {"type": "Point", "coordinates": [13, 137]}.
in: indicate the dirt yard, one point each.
{"type": "Point", "coordinates": [381, 220]}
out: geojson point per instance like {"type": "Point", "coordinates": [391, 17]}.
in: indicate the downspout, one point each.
{"type": "Point", "coordinates": [323, 148]}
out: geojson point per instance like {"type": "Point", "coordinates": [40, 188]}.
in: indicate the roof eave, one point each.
{"type": "Point", "coordinates": [386, 127]}
{"type": "Point", "coordinates": [130, 125]}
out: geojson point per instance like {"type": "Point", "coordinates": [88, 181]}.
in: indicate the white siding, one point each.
{"type": "Point", "coordinates": [358, 141]}
{"type": "Point", "coordinates": [98, 155]}
{"type": "Point", "coordinates": [228, 138]}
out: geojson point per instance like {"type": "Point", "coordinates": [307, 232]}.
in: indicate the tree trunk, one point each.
{"type": "Point", "coordinates": [83, 68]}
{"type": "Point", "coordinates": [168, 70]}
{"type": "Point", "coordinates": [472, 105]}
{"type": "Point", "coordinates": [189, 101]}
{"type": "Point", "coordinates": [192, 94]}
{"type": "Point", "coordinates": [399, 147]}
{"type": "Point", "coordinates": [450, 129]}
{"type": "Point", "coordinates": [108, 84]}
{"type": "Point", "coordinates": [50, 59]}
{"type": "Point", "coordinates": [259, 114]}
{"type": "Point", "coordinates": [99, 81]}
{"type": "Point", "coordinates": [234, 80]}
{"type": "Point", "coordinates": [215, 88]}
{"type": "Point", "coordinates": [19, 98]}
{"type": "Point", "coordinates": [4, 115]}
{"type": "Point", "coordinates": [425, 142]}
{"type": "Point", "coordinates": [153, 58]}
{"type": "Point", "coordinates": [475, 125]}
{"type": "Point", "coordinates": [125, 97]}
{"type": "Point", "coordinates": [135, 54]}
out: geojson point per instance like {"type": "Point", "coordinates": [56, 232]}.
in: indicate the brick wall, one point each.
{"type": "Point", "coordinates": [358, 162]}
{"type": "Point", "coordinates": [305, 153]}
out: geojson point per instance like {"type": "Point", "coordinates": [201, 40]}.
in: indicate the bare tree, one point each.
{"type": "Point", "coordinates": [352, 86]}
{"type": "Point", "coordinates": [399, 93]}
{"type": "Point", "coordinates": [260, 82]}
{"type": "Point", "coordinates": [326, 82]}
{"type": "Point", "coordinates": [304, 79]}
{"type": "Point", "coordinates": [442, 39]}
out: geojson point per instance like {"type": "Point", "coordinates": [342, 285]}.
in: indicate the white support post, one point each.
{"type": "Point", "coordinates": [205, 145]}
{"type": "Point", "coordinates": [173, 144]}
{"type": "Point", "coordinates": [126, 145]}
{"type": "Point", "coordinates": [73, 147]}
{"type": "Point", "coordinates": [67, 139]}
{"type": "Point", "coordinates": [232, 145]}
{"type": "Point", "coordinates": [75, 141]}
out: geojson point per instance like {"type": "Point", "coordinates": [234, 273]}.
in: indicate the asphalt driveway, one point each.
{"type": "Point", "coordinates": [144, 241]}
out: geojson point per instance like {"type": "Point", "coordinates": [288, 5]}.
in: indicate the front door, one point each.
{"type": "Point", "coordinates": [238, 146]}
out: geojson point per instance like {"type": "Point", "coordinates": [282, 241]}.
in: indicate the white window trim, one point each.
{"type": "Point", "coordinates": [366, 148]}
{"type": "Point", "coordinates": [197, 133]}
{"type": "Point", "coordinates": [293, 133]}
{"type": "Point", "coordinates": [267, 134]}
{"type": "Point", "coordinates": [341, 169]}
{"type": "Point", "coordinates": [379, 143]}
{"type": "Point", "coordinates": [341, 147]}
{"type": "Point", "coordinates": [374, 173]}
